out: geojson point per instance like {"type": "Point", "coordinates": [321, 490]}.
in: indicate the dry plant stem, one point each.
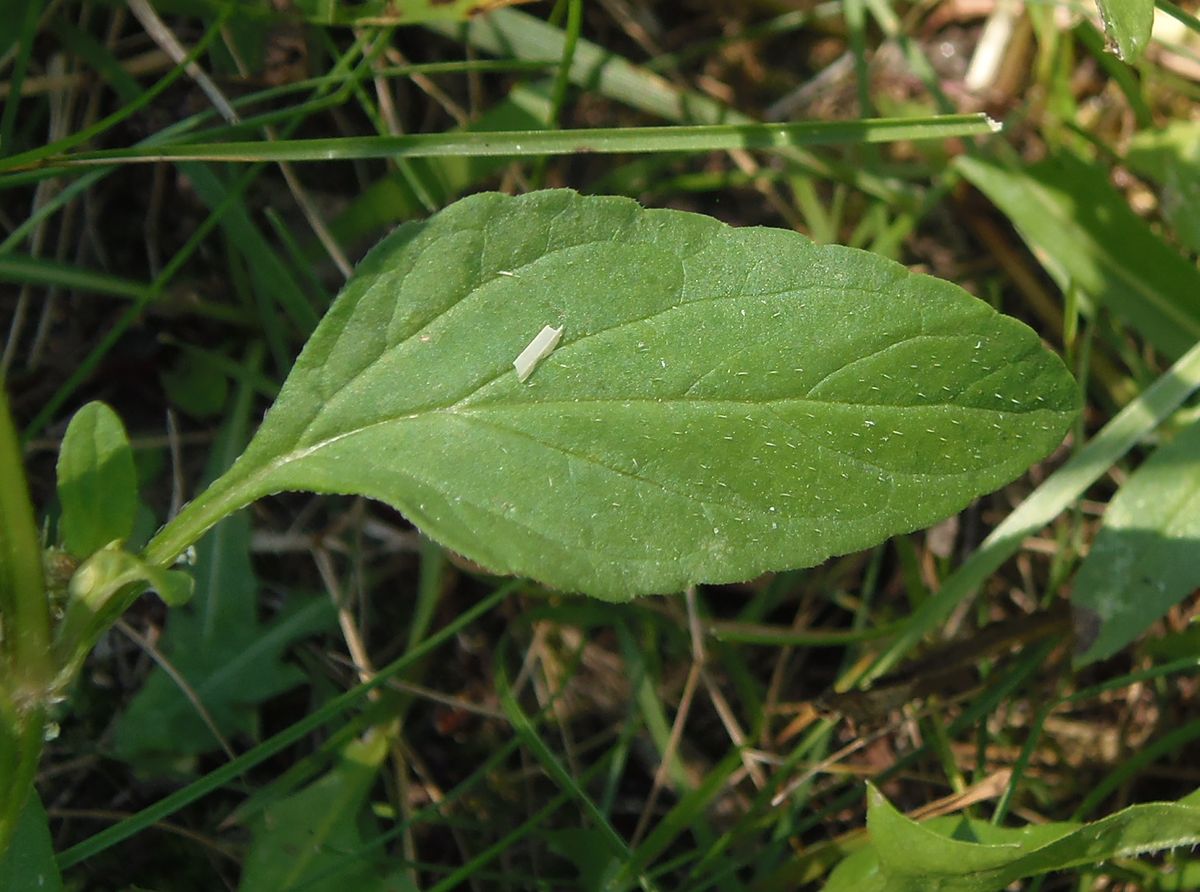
{"type": "Point", "coordinates": [431, 89]}
{"type": "Point", "coordinates": [109, 816]}
{"type": "Point", "coordinates": [67, 227]}
{"type": "Point", "coordinates": [747, 165]}
{"type": "Point", "coordinates": [733, 728]}
{"type": "Point", "coordinates": [638, 23]}
{"type": "Point", "coordinates": [825, 764]}
{"type": "Point", "coordinates": [312, 215]}
{"type": "Point", "coordinates": [670, 754]}
{"type": "Point", "coordinates": [383, 97]}
{"type": "Point", "coordinates": [548, 687]}
{"type": "Point", "coordinates": [366, 673]}
{"type": "Point", "coordinates": [771, 702]}
{"type": "Point", "coordinates": [436, 795]}
{"type": "Point", "coordinates": [186, 689]}
{"type": "Point", "coordinates": [354, 643]}
{"type": "Point", "coordinates": [166, 39]}
{"type": "Point", "coordinates": [149, 62]}
{"type": "Point", "coordinates": [681, 715]}
{"type": "Point", "coordinates": [42, 194]}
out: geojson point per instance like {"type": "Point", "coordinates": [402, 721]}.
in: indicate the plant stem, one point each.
{"type": "Point", "coordinates": [24, 632]}
{"type": "Point", "coordinates": [230, 492]}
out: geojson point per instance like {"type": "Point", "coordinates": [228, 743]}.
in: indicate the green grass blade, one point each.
{"type": "Point", "coordinates": [1086, 236]}
{"type": "Point", "coordinates": [292, 734]}
{"type": "Point", "coordinates": [604, 140]}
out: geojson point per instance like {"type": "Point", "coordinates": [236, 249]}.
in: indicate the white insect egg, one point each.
{"type": "Point", "coordinates": [537, 350]}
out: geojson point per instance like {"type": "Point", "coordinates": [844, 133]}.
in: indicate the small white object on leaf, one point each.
{"type": "Point", "coordinates": [539, 348]}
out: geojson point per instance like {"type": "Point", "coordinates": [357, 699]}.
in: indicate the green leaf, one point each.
{"type": "Point", "coordinates": [195, 385]}
{"type": "Point", "coordinates": [231, 659]}
{"type": "Point", "coordinates": [964, 855]}
{"type": "Point", "coordinates": [313, 839]}
{"type": "Point", "coordinates": [97, 484]}
{"type": "Point", "coordinates": [395, 12]}
{"type": "Point", "coordinates": [29, 862]}
{"type": "Point", "coordinates": [723, 401]}
{"type": "Point", "coordinates": [99, 591]}
{"type": "Point", "coordinates": [1084, 234]}
{"type": "Point", "coordinates": [1127, 25]}
{"type": "Point", "coordinates": [1171, 158]}
{"type": "Point", "coordinates": [1143, 561]}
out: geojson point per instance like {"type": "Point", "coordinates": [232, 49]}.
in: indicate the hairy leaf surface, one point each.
{"type": "Point", "coordinates": [723, 401]}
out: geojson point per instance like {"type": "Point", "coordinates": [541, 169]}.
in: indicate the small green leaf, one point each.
{"type": "Point", "coordinates": [99, 591]}
{"type": "Point", "coordinates": [966, 855]}
{"type": "Point", "coordinates": [195, 385]}
{"type": "Point", "coordinates": [313, 839]}
{"type": "Point", "coordinates": [1127, 25]}
{"type": "Point", "coordinates": [723, 401]}
{"type": "Point", "coordinates": [1144, 559]}
{"type": "Point", "coordinates": [97, 484]}
{"type": "Point", "coordinates": [29, 862]}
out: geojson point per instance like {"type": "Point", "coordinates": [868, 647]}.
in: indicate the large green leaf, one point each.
{"type": "Point", "coordinates": [723, 401]}
{"type": "Point", "coordinates": [964, 855]}
{"type": "Point", "coordinates": [1143, 561]}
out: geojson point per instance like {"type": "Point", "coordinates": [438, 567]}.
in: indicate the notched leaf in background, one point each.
{"type": "Point", "coordinates": [723, 402]}
{"type": "Point", "coordinates": [960, 854]}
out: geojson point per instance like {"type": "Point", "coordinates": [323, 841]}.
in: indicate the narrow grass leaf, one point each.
{"type": "Point", "coordinates": [723, 402]}
{"type": "Point", "coordinates": [395, 12]}
{"type": "Point", "coordinates": [601, 140]}
{"type": "Point", "coordinates": [1083, 232]}
{"type": "Point", "coordinates": [1143, 561]}
{"type": "Point", "coordinates": [290, 735]}
{"type": "Point", "coordinates": [510, 33]}
{"type": "Point", "coordinates": [687, 815]}
{"type": "Point", "coordinates": [391, 200]}
{"type": "Point", "coordinates": [1171, 158]}
{"type": "Point", "coordinates": [97, 482]}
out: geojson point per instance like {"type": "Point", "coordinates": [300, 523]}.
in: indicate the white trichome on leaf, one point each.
{"type": "Point", "coordinates": [539, 348]}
